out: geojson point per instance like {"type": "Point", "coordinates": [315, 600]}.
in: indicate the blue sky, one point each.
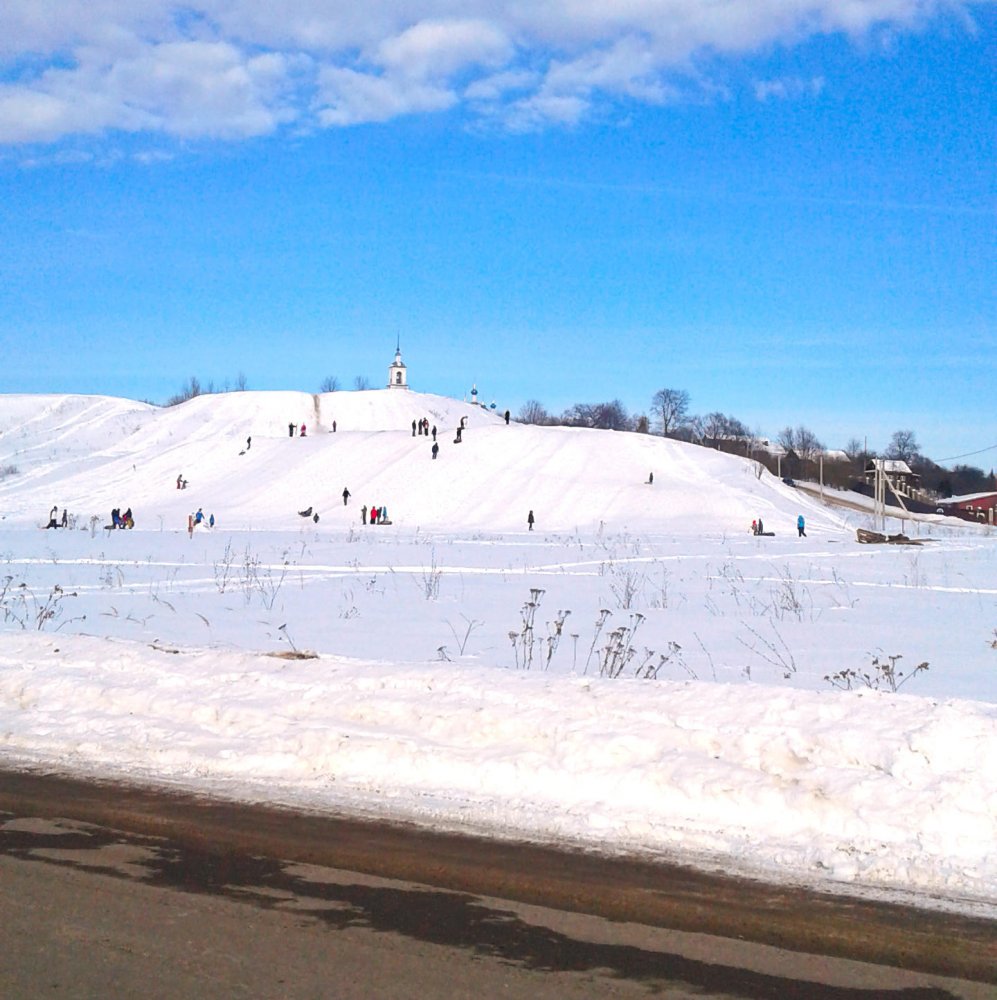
{"type": "Point", "coordinates": [787, 209]}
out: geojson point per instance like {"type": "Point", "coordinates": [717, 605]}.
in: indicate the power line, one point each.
{"type": "Point", "coordinates": [969, 454]}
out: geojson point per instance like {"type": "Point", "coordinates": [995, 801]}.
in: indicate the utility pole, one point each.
{"type": "Point", "coordinates": [880, 495]}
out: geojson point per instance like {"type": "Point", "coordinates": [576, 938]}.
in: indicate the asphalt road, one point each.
{"type": "Point", "coordinates": [115, 891]}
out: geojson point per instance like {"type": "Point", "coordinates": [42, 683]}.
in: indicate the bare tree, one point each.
{"type": "Point", "coordinates": [533, 412]}
{"type": "Point", "coordinates": [787, 438]}
{"type": "Point", "coordinates": [188, 391]}
{"type": "Point", "coordinates": [801, 440]}
{"type": "Point", "coordinates": [714, 426]}
{"type": "Point", "coordinates": [671, 407]}
{"type": "Point", "coordinates": [717, 426]}
{"type": "Point", "coordinates": [329, 384]}
{"type": "Point", "coordinates": [361, 382]}
{"type": "Point", "coordinates": [692, 430]}
{"type": "Point", "coordinates": [610, 416]}
{"type": "Point", "coordinates": [855, 449]}
{"type": "Point", "coordinates": [737, 429]}
{"type": "Point", "coordinates": [903, 445]}
{"type": "Point", "coordinates": [808, 445]}
{"type": "Point", "coordinates": [240, 382]}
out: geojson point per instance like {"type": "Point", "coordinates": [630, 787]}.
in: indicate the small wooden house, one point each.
{"type": "Point", "coordinates": [898, 473]}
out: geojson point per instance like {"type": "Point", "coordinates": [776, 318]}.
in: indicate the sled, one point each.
{"type": "Point", "coordinates": [306, 513]}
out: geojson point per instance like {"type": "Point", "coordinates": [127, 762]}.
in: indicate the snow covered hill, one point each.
{"type": "Point", "coordinates": [640, 673]}
{"type": "Point", "coordinates": [94, 453]}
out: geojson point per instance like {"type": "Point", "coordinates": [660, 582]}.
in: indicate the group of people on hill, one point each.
{"type": "Point", "coordinates": [53, 519]}
{"type": "Point", "coordinates": [758, 528]}
{"type": "Point", "coordinates": [119, 520]}
{"type": "Point", "coordinates": [378, 515]}
{"type": "Point", "coordinates": [293, 429]}
{"type": "Point", "coordinates": [458, 434]}
{"type": "Point", "coordinates": [198, 519]}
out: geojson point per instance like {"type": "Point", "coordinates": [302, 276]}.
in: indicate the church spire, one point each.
{"type": "Point", "coordinates": [397, 373]}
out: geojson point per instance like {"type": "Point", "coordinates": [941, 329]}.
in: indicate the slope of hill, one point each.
{"type": "Point", "coordinates": [95, 453]}
{"type": "Point", "coordinates": [728, 697]}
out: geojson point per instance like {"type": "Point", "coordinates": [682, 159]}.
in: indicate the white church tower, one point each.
{"type": "Point", "coordinates": [397, 375]}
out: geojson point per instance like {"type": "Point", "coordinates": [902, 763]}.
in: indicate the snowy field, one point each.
{"type": "Point", "coordinates": [639, 673]}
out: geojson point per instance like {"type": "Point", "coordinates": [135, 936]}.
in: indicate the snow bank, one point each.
{"type": "Point", "coordinates": [885, 791]}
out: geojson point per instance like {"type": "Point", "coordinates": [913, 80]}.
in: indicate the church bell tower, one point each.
{"type": "Point", "coordinates": [397, 373]}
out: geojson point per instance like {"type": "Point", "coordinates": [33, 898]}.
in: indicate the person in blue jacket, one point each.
{"type": "Point", "coordinates": [800, 525]}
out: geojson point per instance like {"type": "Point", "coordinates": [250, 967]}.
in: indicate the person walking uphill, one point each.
{"type": "Point", "coordinates": [346, 495]}
{"type": "Point", "coordinates": [800, 525]}
{"type": "Point", "coordinates": [529, 520]}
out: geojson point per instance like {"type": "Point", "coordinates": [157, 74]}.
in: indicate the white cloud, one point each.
{"type": "Point", "coordinates": [496, 86]}
{"type": "Point", "coordinates": [186, 89]}
{"type": "Point", "coordinates": [348, 97]}
{"type": "Point", "coordinates": [198, 88]}
{"type": "Point", "coordinates": [788, 88]}
{"type": "Point", "coordinates": [441, 48]}
{"type": "Point", "coordinates": [540, 110]}
{"type": "Point", "coordinates": [628, 67]}
{"type": "Point", "coordinates": [230, 68]}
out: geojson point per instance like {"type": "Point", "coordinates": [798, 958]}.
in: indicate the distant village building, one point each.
{"type": "Point", "coordinates": [973, 507]}
{"type": "Point", "coordinates": [397, 373]}
{"type": "Point", "coordinates": [898, 474]}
